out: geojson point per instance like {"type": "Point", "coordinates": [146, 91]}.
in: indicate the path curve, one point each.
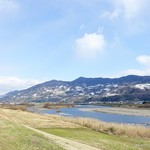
{"type": "Point", "coordinates": [65, 143]}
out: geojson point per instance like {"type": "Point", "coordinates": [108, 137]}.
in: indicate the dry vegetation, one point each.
{"type": "Point", "coordinates": [35, 120]}
{"type": "Point", "coordinates": [79, 129]}
{"type": "Point", "coordinates": [14, 136]}
{"type": "Point", "coordinates": [110, 128]}
{"type": "Point", "coordinates": [50, 121]}
{"type": "Point", "coordinates": [22, 107]}
{"type": "Point", "coordinates": [49, 105]}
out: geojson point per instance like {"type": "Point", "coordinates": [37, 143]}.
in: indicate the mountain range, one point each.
{"type": "Point", "coordinates": [129, 88]}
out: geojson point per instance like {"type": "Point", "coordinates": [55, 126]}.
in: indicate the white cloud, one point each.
{"type": "Point", "coordinates": [90, 45]}
{"type": "Point", "coordinates": [111, 15]}
{"type": "Point", "coordinates": [8, 7]}
{"type": "Point", "coordinates": [128, 9]}
{"type": "Point", "coordinates": [8, 84]}
{"type": "Point", "coordinates": [130, 14]}
{"type": "Point", "coordinates": [136, 72]}
{"type": "Point", "coordinates": [144, 59]}
{"type": "Point", "coordinates": [131, 8]}
{"type": "Point", "coordinates": [115, 14]}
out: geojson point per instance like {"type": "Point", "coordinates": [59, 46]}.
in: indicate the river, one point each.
{"type": "Point", "coordinates": [117, 118]}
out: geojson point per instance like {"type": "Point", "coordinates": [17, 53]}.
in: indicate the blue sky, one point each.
{"type": "Point", "coordinates": [42, 40]}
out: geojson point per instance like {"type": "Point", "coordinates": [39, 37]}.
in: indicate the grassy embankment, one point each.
{"type": "Point", "coordinates": [91, 132]}
{"type": "Point", "coordinates": [118, 129]}
{"type": "Point", "coordinates": [104, 135]}
{"type": "Point", "coordinates": [100, 140]}
{"type": "Point", "coordinates": [16, 137]}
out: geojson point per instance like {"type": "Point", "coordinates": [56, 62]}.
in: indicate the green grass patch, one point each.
{"type": "Point", "coordinates": [101, 140]}
{"type": "Point", "coordinates": [15, 137]}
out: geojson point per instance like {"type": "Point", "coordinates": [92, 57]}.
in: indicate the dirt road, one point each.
{"type": "Point", "coordinates": [65, 143]}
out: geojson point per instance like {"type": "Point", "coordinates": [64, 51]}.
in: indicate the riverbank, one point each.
{"type": "Point", "coordinates": [92, 133]}
{"type": "Point", "coordinates": [57, 105]}
{"type": "Point", "coordinates": [122, 111]}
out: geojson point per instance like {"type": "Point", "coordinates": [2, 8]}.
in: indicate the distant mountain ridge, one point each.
{"type": "Point", "coordinates": [121, 80]}
{"type": "Point", "coordinates": [126, 88]}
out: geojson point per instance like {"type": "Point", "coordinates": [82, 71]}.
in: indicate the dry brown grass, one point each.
{"type": "Point", "coordinates": [110, 128]}
{"type": "Point", "coordinates": [14, 107]}
{"type": "Point", "coordinates": [55, 121]}
{"type": "Point", "coordinates": [35, 120]}
{"type": "Point", "coordinates": [49, 105]}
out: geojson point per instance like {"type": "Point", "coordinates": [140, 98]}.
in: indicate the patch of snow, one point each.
{"type": "Point", "coordinates": [98, 92]}
{"type": "Point", "coordinates": [92, 93]}
{"type": "Point", "coordinates": [110, 94]}
{"type": "Point", "coordinates": [107, 89]}
{"type": "Point", "coordinates": [35, 95]}
{"type": "Point", "coordinates": [78, 88]}
{"type": "Point", "coordinates": [142, 86]}
{"type": "Point", "coordinates": [115, 85]}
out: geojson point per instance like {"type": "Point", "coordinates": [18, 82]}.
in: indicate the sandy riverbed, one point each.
{"type": "Point", "coordinates": [122, 111]}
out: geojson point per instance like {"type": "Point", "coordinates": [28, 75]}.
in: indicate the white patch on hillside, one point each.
{"type": "Point", "coordinates": [142, 86]}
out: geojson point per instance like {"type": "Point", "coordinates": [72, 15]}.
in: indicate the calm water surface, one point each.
{"type": "Point", "coordinates": [76, 112]}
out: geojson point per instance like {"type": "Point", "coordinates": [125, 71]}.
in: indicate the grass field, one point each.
{"type": "Point", "coordinates": [14, 136]}
{"type": "Point", "coordinates": [101, 140]}
{"type": "Point", "coordinates": [119, 129]}
{"type": "Point", "coordinates": [17, 137]}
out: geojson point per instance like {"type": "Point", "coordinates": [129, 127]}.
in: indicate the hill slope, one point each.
{"type": "Point", "coordinates": [127, 88]}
